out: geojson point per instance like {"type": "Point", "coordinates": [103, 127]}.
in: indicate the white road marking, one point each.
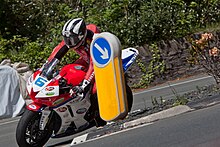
{"type": "Point", "coordinates": [167, 86]}
{"type": "Point", "coordinates": [114, 133]}
{"type": "Point", "coordinates": [8, 122]}
{"type": "Point", "coordinates": [79, 139]}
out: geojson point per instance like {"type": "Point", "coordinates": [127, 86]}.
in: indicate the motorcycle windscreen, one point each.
{"type": "Point", "coordinates": [111, 91]}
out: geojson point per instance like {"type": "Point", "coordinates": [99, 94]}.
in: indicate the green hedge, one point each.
{"type": "Point", "coordinates": [29, 30]}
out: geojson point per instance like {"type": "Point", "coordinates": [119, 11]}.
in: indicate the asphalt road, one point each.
{"type": "Point", "coordinates": [193, 129]}
{"type": "Point", "coordinates": [166, 91]}
{"type": "Point", "coordinates": [7, 132]}
{"type": "Point", "coordinates": [141, 99]}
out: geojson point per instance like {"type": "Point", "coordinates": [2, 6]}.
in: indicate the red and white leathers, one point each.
{"type": "Point", "coordinates": [84, 51]}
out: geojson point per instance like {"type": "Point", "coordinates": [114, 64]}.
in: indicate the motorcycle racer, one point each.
{"type": "Point", "coordinates": [57, 108]}
{"type": "Point", "coordinates": [77, 36]}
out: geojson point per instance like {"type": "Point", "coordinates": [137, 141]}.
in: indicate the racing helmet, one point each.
{"type": "Point", "coordinates": [74, 32]}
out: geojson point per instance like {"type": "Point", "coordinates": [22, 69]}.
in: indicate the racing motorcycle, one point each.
{"type": "Point", "coordinates": [55, 111]}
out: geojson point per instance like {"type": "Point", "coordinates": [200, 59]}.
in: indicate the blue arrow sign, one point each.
{"type": "Point", "coordinates": [101, 51]}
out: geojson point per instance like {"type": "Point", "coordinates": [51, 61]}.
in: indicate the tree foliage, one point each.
{"type": "Point", "coordinates": [29, 30]}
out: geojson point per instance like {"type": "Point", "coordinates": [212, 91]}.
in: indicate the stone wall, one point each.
{"type": "Point", "coordinates": [176, 55]}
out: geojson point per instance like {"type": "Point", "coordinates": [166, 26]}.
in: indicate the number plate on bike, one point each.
{"type": "Point", "coordinates": [39, 83]}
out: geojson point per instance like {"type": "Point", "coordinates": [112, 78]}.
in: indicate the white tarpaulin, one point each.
{"type": "Point", "coordinates": [11, 100]}
{"type": "Point", "coordinates": [13, 79]}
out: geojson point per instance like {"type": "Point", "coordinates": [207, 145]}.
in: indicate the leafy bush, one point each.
{"type": "Point", "coordinates": [29, 30]}
{"type": "Point", "coordinates": [39, 26]}
{"type": "Point", "coordinates": [206, 54]}
{"type": "Point", "coordinates": [154, 69]}
{"type": "Point", "coordinates": [20, 49]}
{"type": "Point", "coordinates": [136, 22]}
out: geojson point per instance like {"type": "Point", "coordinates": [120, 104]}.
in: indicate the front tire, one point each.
{"type": "Point", "coordinates": [28, 133]}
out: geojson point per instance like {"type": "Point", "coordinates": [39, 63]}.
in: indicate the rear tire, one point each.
{"type": "Point", "coordinates": [28, 133]}
{"type": "Point", "coordinates": [129, 97]}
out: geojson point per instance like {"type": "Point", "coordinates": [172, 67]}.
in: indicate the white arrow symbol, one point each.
{"type": "Point", "coordinates": [103, 52]}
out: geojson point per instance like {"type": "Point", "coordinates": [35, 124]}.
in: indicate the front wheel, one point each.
{"type": "Point", "coordinates": [28, 133]}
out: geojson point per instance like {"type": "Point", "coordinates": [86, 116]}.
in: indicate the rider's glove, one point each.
{"type": "Point", "coordinates": [78, 89]}
{"type": "Point", "coordinates": [81, 87]}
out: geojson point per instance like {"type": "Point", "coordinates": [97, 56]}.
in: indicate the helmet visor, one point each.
{"type": "Point", "coordinates": [71, 41]}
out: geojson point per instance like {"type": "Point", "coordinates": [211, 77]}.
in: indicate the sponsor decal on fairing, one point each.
{"type": "Point", "coordinates": [58, 101]}
{"type": "Point", "coordinates": [32, 106]}
{"type": "Point", "coordinates": [81, 110]}
{"type": "Point", "coordinates": [48, 92]}
{"type": "Point", "coordinates": [49, 88]}
{"type": "Point", "coordinates": [62, 109]}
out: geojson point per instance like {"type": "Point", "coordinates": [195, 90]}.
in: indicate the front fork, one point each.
{"type": "Point", "coordinates": [44, 118]}
{"type": "Point", "coordinates": [45, 112]}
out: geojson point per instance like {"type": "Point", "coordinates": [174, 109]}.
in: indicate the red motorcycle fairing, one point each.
{"type": "Point", "coordinates": [52, 101]}
{"type": "Point", "coordinates": [36, 73]}
{"type": "Point", "coordinates": [94, 90]}
{"type": "Point", "coordinates": [73, 73]}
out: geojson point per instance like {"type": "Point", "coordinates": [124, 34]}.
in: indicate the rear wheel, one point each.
{"type": "Point", "coordinates": [28, 133]}
{"type": "Point", "coordinates": [129, 97]}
